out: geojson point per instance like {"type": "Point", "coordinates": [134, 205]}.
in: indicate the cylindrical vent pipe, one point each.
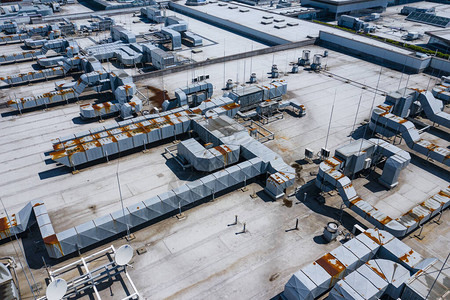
{"type": "Point", "coordinates": [332, 227]}
{"type": "Point", "coordinates": [229, 85]}
{"type": "Point", "coordinates": [317, 60]}
{"type": "Point", "coordinates": [306, 54]}
{"type": "Point", "coordinates": [274, 71]}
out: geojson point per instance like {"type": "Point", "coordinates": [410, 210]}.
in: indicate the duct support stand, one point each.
{"type": "Point", "coordinates": [438, 221]}
{"type": "Point", "coordinates": [245, 188]}
{"type": "Point", "coordinates": [419, 236]}
{"type": "Point", "coordinates": [181, 216]}
{"type": "Point", "coordinates": [141, 250]}
{"type": "Point", "coordinates": [130, 237]}
{"type": "Point", "coordinates": [145, 148]}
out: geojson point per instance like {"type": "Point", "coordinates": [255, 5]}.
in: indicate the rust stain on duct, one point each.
{"type": "Point", "coordinates": [231, 106]}
{"type": "Point", "coordinates": [385, 220]}
{"type": "Point", "coordinates": [378, 272]}
{"type": "Point", "coordinates": [331, 265]}
{"type": "Point", "coordinates": [443, 194]}
{"type": "Point", "coordinates": [405, 257]}
{"type": "Point", "coordinates": [373, 238]}
{"type": "Point", "coordinates": [353, 202]}
{"type": "Point", "coordinates": [4, 227]}
{"type": "Point", "coordinates": [107, 106]}
{"type": "Point", "coordinates": [58, 154]}
{"type": "Point", "coordinates": [224, 150]}
{"type": "Point", "coordinates": [52, 240]}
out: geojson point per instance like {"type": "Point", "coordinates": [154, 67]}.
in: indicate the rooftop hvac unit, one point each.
{"type": "Point", "coordinates": [309, 153]}
{"type": "Point", "coordinates": [324, 153]}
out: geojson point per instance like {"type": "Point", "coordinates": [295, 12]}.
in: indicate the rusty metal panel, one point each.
{"type": "Point", "coordinates": [93, 150]}
{"type": "Point", "coordinates": [370, 243]}
{"type": "Point", "coordinates": [167, 130]}
{"type": "Point", "coordinates": [68, 240]}
{"type": "Point", "coordinates": [109, 146]}
{"type": "Point", "coordinates": [139, 137]}
{"type": "Point", "coordinates": [398, 251]}
{"type": "Point", "coordinates": [374, 279]}
{"type": "Point", "coordinates": [154, 134]}
{"type": "Point", "coordinates": [347, 258]}
{"type": "Point", "coordinates": [124, 141]}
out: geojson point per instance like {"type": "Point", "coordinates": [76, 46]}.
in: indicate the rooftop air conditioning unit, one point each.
{"type": "Point", "coordinates": [309, 153]}
{"type": "Point", "coordinates": [324, 153]}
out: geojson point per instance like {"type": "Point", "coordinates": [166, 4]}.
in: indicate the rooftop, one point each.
{"type": "Point", "coordinates": [440, 34]}
{"type": "Point", "coordinates": [203, 255]}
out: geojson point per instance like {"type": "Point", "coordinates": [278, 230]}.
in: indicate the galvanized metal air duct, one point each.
{"type": "Point", "coordinates": [372, 264]}
{"type": "Point", "coordinates": [220, 130]}
{"type": "Point", "coordinates": [208, 159]}
{"type": "Point", "coordinates": [105, 227]}
{"type": "Point", "coordinates": [68, 48]}
{"type": "Point", "coordinates": [372, 280]}
{"type": "Point", "coordinates": [193, 94]}
{"type": "Point", "coordinates": [433, 109]}
{"type": "Point", "coordinates": [330, 177]}
{"type": "Point", "coordinates": [120, 83]}
{"type": "Point", "coordinates": [102, 142]}
{"type": "Point", "coordinates": [388, 124]}
{"type": "Point", "coordinates": [442, 90]}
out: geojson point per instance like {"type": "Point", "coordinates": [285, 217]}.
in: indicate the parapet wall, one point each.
{"type": "Point", "coordinates": [405, 61]}
{"type": "Point", "coordinates": [263, 37]}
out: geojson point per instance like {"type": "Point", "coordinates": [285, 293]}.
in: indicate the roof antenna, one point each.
{"type": "Point", "coordinates": [357, 111]}
{"type": "Point", "coordinates": [121, 200]}
{"type": "Point", "coordinates": [331, 117]}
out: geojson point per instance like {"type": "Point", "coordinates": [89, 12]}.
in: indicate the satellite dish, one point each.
{"type": "Point", "coordinates": [123, 255]}
{"type": "Point", "coordinates": [56, 289]}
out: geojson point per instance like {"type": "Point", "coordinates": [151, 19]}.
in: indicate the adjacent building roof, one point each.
{"type": "Point", "coordinates": [443, 35]}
